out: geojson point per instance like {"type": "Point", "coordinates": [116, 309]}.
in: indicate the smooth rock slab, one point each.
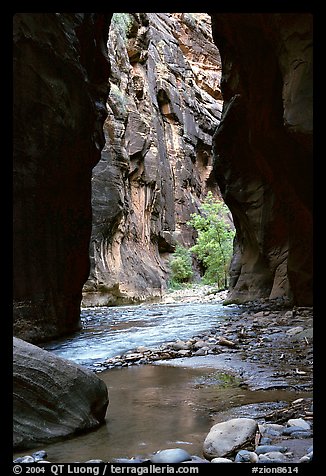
{"type": "Point", "coordinates": [176, 455]}
{"type": "Point", "coordinates": [52, 397]}
{"type": "Point", "coordinates": [227, 437]}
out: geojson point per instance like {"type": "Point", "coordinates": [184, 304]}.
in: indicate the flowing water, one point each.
{"type": "Point", "coordinates": [153, 407]}
{"type": "Point", "coordinates": [110, 331]}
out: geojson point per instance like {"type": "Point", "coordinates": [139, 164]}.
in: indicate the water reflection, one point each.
{"type": "Point", "coordinates": [156, 407]}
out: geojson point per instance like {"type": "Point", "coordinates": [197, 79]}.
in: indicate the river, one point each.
{"type": "Point", "coordinates": [110, 331]}
{"type": "Point", "coordinates": [153, 407]}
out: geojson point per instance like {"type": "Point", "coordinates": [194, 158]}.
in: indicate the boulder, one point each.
{"type": "Point", "coordinates": [52, 397]}
{"type": "Point", "coordinates": [225, 438]}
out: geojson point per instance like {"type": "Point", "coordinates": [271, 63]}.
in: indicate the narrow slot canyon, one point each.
{"type": "Point", "coordinates": [124, 124]}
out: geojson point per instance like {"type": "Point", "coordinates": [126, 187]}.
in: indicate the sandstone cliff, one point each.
{"type": "Point", "coordinates": [263, 151]}
{"type": "Point", "coordinates": [164, 106]}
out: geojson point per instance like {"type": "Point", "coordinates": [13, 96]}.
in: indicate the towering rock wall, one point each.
{"type": "Point", "coordinates": [263, 151]}
{"type": "Point", "coordinates": [164, 106]}
{"type": "Point", "coordinates": [60, 73]}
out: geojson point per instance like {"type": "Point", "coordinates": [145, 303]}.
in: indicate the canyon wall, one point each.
{"type": "Point", "coordinates": [156, 167]}
{"type": "Point", "coordinates": [60, 73]}
{"type": "Point", "coordinates": [163, 109]}
{"type": "Point", "coordinates": [263, 151]}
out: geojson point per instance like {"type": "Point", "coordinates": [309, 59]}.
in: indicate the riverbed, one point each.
{"type": "Point", "coordinates": [174, 403]}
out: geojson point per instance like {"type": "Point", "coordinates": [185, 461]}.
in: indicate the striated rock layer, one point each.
{"type": "Point", "coordinates": [60, 71]}
{"type": "Point", "coordinates": [263, 151]}
{"type": "Point", "coordinates": [164, 106]}
{"type": "Point", "coordinates": [52, 397]}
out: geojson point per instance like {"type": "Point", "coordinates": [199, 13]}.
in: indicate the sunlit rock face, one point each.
{"type": "Point", "coordinates": [263, 151]}
{"type": "Point", "coordinates": [156, 167]}
{"type": "Point", "coordinates": [60, 73]}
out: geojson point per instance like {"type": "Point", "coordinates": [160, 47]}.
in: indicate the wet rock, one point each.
{"type": "Point", "coordinates": [199, 352]}
{"type": "Point", "coordinates": [265, 440]}
{"type": "Point", "coordinates": [95, 461]}
{"type": "Point", "coordinates": [196, 459]}
{"type": "Point", "coordinates": [261, 449]}
{"type": "Point", "coordinates": [299, 422]}
{"type": "Point", "coordinates": [245, 456]}
{"type": "Point", "coordinates": [306, 458]}
{"type": "Point", "coordinates": [227, 437]}
{"type": "Point", "coordinates": [293, 430]}
{"type": "Point", "coordinates": [183, 353]}
{"type": "Point", "coordinates": [294, 330]}
{"type": "Point", "coordinates": [272, 457]}
{"type": "Point", "coordinates": [302, 434]}
{"type": "Point", "coordinates": [271, 429]}
{"type": "Point", "coordinates": [39, 455]}
{"type": "Point", "coordinates": [127, 460]}
{"type": "Point", "coordinates": [176, 455]}
{"type": "Point", "coordinates": [27, 459]}
{"type": "Point", "coordinates": [179, 345]}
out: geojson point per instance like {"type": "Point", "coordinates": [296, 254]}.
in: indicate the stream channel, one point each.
{"type": "Point", "coordinates": [153, 407]}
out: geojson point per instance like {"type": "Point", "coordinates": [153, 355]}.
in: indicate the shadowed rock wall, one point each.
{"type": "Point", "coordinates": [60, 72]}
{"type": "Point", "coordinates": [263, 151]}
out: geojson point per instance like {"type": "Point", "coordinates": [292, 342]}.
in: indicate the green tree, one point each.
{"type": "Point", "coordinates": [181, 265]}
{"type": "Point", "coordinates": [214, 244]}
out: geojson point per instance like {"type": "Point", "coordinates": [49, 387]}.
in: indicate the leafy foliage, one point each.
{"type": "Point", "coordinates": [181, 266]}
{"type": "Point", "coordinates": [214, 244]}
{"type": "Point", "coordinates": [122, 22]}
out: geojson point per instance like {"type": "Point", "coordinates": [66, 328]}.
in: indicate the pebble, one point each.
{"type": "Point", "coordinates": [291, 430]}
{"type": "Point", "coordinates": [245, 456]}
{"type": "Point", "coordinates": [221, 460]}
{"type": "Point", "coordinates": [306, 458]}
{"type": "Point", "coordinates": [265, 440]}
{"type": "Point", "coordinates": [176, 455]}
{"type": "Point", "coordinates": [39, 455]}
{"type": "Point", "coordinates": [268, 448]}
{"type": "Point", "coordinates": [272, 457]}
{"type": "Point", "coordinates": [299, 422]}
